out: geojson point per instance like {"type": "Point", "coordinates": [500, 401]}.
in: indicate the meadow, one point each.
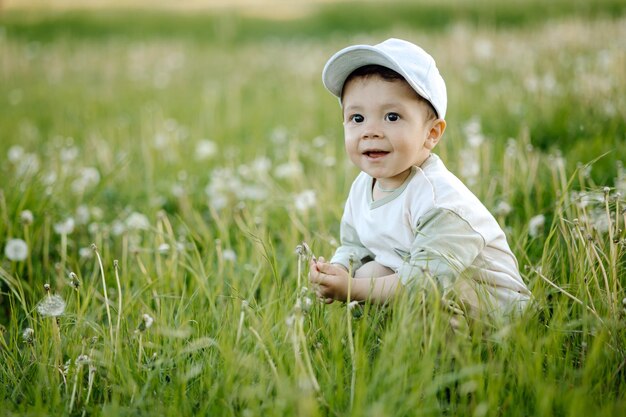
{"type": "Point", "coordinates": [160, 171]}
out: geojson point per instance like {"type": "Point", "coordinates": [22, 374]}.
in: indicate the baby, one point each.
{"type": "Point", "coordinates": [408, 221]}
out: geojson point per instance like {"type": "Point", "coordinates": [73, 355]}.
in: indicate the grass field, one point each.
{"type": "Point", "coordinates": [158, 171]}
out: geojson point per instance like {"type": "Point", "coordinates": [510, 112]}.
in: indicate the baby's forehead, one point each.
{"type": "Point", "coordinates": [399, 87]}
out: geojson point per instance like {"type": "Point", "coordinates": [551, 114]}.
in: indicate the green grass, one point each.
{"type": "Point", "coordinates": [233, 333]}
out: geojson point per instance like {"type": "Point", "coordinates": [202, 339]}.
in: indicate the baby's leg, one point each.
{"type": "Point", "coordinates": [372, 269]}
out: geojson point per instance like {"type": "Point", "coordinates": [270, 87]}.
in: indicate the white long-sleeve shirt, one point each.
{"type": "Point", "coordinates": [433, 225]}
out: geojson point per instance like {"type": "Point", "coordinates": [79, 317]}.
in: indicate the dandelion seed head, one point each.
{"type": "Point", "coordinates": [64, 227]}
{"type": "Point", "coordinates": [85, 253]}
{"type": "Point", "coordinates": [535, 225]}
{"type": "Point", "coordinates": [82, 360]}
{"type": "Point", "coordinates": [503, 209]}
{"type": "Point", "coordinates": [15, 153]}
{"type": "Point", "coordinates": [46, 287]}
{"type": "Point", "coordinates": [82, 214]}
{"type": "Point", "coordinates": [163, 248]}
{"type": "Point", "coordinates": [74, 281]}
{"type": "Point", "coordinates": [290, 320]}
{"type": "Point", "coordinates": [288, 170]}
{"type": "Point", "coordinates": [16, 250]}
{"type": "Point", "coordinates": [304, 200]}
{"type": "Point", "coordinates": [307, 303]}
{"type": "Point", "coordinates": [147, 320]}
{"type": "Point", "coordinates": [26, 217]}
{"type": "Point", "coordinates": [137, 221]}
{"type": "Point", "coordinates": [205, 149]}
{"type": "Point", "coordinates": [51, 306]}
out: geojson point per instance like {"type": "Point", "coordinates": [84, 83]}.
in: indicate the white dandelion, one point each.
{"type": "Point", "coordinates": [28, 335]}
{"type": "Point", "coordinates": [137, 221]}
{"type": "Point", "coordinates": [64, 227]}
{"type": "Point", "coordinates": [304, 200]}
{"type": "Point", "coordinates": [26, 216]}
{"type": "Point", "coordinates": [51, 306]}
{"type": "Point", "coordinates": [535, 225]}
{"type": "Point", "coordinates": [503, 209]}
{"type": "Point", "coordinates": [16, 250]}
{"type": "Point", "coordinates": [205, 149]}
{"type": "Point", "coordinates": [229, 255]}
{"type": "Point", "coordinates": [146, 323]}
{"type": "Point", "coordinates": [288, 170]}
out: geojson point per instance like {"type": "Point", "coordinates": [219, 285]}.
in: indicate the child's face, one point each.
{"type": "Point", "coordinates": [386, 128]}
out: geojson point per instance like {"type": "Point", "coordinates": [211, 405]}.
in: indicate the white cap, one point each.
{"type": "Point", "coordinates": [409, 60]}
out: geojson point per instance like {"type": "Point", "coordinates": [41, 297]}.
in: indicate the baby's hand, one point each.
{"type": "Point", "coordinates": [330, 280]}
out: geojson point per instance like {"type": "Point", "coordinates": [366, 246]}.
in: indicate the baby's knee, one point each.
{"type": "Point", "coordinates": [372, 269]}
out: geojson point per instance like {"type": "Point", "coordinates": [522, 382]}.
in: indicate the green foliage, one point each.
{"type": "Point", "coordinates": [196, 157]}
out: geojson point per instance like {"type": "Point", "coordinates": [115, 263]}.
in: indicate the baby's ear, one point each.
{"type": "Point", "coordinates": [436, 132]}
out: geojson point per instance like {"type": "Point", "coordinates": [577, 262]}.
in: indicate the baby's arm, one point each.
{"type": "Point", "coordinates": [335, 283]}
{"type": "Point", "coordinates": [444, 246]}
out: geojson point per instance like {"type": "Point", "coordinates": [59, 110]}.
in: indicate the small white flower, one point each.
{"type": "Point", "coordinates": [65, 227]}
{"type": "Point", "coordinates": [229, 255]}
{"type": "Point", "coordinates": [205, 149]}
{"type": "Point", "coordinates": [51, 306]}
{"type": "Point", "coordinates": [16, 250]}
{"type": "Point", "coordinates": [163, 248]}
{"type": "Point", "coordinates": [535, 225]}
{"type": "Point", "coordinates": [304, 200]}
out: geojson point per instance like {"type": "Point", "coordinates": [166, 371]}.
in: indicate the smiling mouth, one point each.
{"type": "Point", "coordinates": [375, 153]}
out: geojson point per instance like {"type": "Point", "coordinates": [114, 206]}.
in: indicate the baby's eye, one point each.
{"type": "Point", "coordinates": [357, 118]}
{"type": "Point", "coordinates": [392, 117]}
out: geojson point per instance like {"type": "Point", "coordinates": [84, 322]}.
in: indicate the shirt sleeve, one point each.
{"type": "Point", "coordinates": [351, 246]}
{"type": "Point", "coordinates": [444, 246]}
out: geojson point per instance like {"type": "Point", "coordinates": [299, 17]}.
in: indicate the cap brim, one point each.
{"type": "Point", "coordinates": [344, 62]}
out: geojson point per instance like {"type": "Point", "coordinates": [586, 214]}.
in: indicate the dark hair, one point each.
{"type": "Point", "coordinates": [386, 74]}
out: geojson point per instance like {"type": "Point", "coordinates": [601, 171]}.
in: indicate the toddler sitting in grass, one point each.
{"type": "Point", "coordinates": [408, 221]}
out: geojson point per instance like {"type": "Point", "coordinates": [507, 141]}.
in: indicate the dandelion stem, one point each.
{"type": "Point", "coordinates": [92, 373]}
{"type": "Point", "coordinates": [104, 288]}
{"type": "Point", "coordinates": [119, 306]}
